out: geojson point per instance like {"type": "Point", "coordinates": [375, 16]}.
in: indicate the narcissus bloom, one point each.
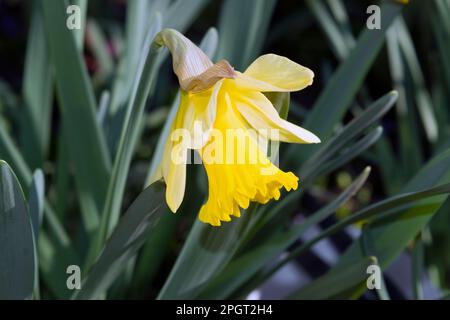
{"type": "Point", "coordinates": [216, 100]}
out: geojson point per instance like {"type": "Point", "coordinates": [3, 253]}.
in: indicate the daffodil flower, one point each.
{"type": "Point", "coordinates": [215, 99]}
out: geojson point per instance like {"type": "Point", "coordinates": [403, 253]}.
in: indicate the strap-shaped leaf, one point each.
{"type": "Point", "coordinates": [16, 239]}
{"type": "Point", "coordinates": [130, 234]}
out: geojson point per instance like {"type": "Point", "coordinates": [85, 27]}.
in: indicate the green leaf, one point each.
{"type": "Point", "coordinates": [103, 106]}
{"type": "Point", "coordinates": [241, 269]}
{"type": "Point", "coordinates": [418, 260]}
{"type": "Point", "coordinates": [242, 29]}
{"type": "Point", "coordinates": [326, 158]}
{"type": "Point", "coordinates": [334, 34]}
{"type": "Point", "coordinates": [54, 258]}
{"type": "Point", "coordinates": [331, 285]}
{"type": "Point", "coordinates": [11, 153]}
{"type": "Point", "coordinates": [363, 121]}
{"type": "Point", "coordinates": [399, 208]}
{"type": "Point", "coordinates": [392, 237]}
{"type": "Point", "coordinates": [345, 82]}
{"type": "Point", "coordinates": [441, 28]}
{"type": "Point", "coordinates": [137, 22]}
{"type": "Point", "coordinates": [79, 33]}
{"type": "Point", "coordinates": [367, 245]}
{"type": "Point", "coordinates": [182, 13]}
{"type": "Point", "coordinates": [63, 177]}
{"type": "Point", "coordinates": [100, 50]}
{"type": "Point", "coordinates": [411, 153]}
{"type": "Point", "coordinates": [129, 137]}
{"type": "Point", "coordinates": [210, 42]}
{"type": "Point", "coordinates": [154, 252]}
{"type": "Point", "coordinates": [37, 92]}
{"type": "Point", "coordinates": [55, 251]}
{"type": "Point", "coordinates": [281, 102]}
{"type": "Point", "coordinates": [350, 153]}
{"type": "Point", "coordinates": [139, 220]}
{"type": "Point", "coordinates": [85, 140]}
{"type": "Point", "coordinates": [36, 201]}
{"type": "Point", "coordinates": [16, 239]}
{"type": "Point", "coordinates": [338, 10]}
{"type": "Point", "coordinates": [205, 253]}
{"type": "Point", "coordinates": [421, 94]}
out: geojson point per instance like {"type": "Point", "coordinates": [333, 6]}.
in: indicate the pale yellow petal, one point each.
{"type": "Point", "coordinates": [261, 115]}
{"type": "Point", "coordinates": [191, 129]}
{"type": "Point", "coordinates": [271, 72]}
{"type": "Point", "coordinates": [174, 174]}
{"type": "Point", "coordinates": [198, 113]}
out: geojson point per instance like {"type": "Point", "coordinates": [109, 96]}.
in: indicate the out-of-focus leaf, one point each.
{"type": "Point", "coordinates": [16, 239]}
{"type": "Point", "coordinates": [441, 28]}
{"type": "Point", "coordinates": [36, 201]}
{"type": "Point", "coordinates": [11, 153]}
{"type": "Point", "coordinates": [367, 245]}
{"type": "Point", "coordinates": [79, 33]}
{"type": "Point", "coordinates": [103, 107]}
{"type": "Point", "coordinates": [345, 83]}
{"type": "Point", "coordinates": [331, 285]}
{"type": "Point", "coordinates": [25, 176]}
{"type": "Point", "coordinates": [281, 102]}
{"type": "Point", "coordinates": [417, 268]}
{"type": "Point", "coordinates": [243, 267]}
{"type": "Point", "coordinates": [331, 29]}
{"type": "Point", "coordinates": [181, 13]}
{"type": "Point", "coordinates": [392, 237]}
{"type": "Point", "coordinates": [210, 42]}
{"type": "Point", "coordinates": [37, 92]}
{"type": "Point", "coordinates": [52, 268]}
{"type": "Point", "coordinates": [206, 252]}
{"type": "Point", "coordinates": [138, 20]}
{"type": "Point", "coordinates": [85, 140]}
{"type": "Point", "coordinates": [411, 153]}
{"type": "Point", "coordinates": [97, 42]}
{"type": "Point", "coordinates": [399, 208]}
{"type": "Point", "coordinates": [351, 152]}
{"type": "Point", "coordinates": [339, 12]}
{"type": "Point", "coordinates": [326, 155]}
{"type": "Point", "coordinates": [242, 29]}
{"type": "Point", "coordinates": [421, 94]}
{"type": "Point", "coordinates": [368, 117]}
{"type": "Point", "coordinates": [129, 137]}
{"type": "Point", "coordinates": [129, 235]}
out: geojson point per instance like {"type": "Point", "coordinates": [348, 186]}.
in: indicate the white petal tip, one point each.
{"type": "Point", "coordinates": [314, 140]}
{"type": "Point", "coordinates": [308, 137]}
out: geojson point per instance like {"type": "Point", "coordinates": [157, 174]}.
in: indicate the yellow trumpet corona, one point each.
{"type": "Point", "coordinates": [216, 98]}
